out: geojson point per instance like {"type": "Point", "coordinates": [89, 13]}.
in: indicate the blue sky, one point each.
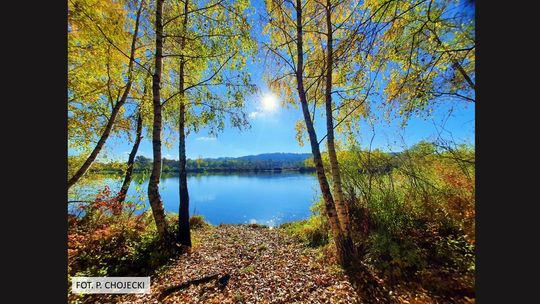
{"type": "Point", "coordinates": [273, 131]}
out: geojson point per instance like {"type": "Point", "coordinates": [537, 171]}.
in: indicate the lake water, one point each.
{"type": "Point", "coordinates": [264, 198]}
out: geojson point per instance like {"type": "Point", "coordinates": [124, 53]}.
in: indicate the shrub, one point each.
{"type": "Point", "coordinates": [412, 213]}
{"type": "Point", "coordinates": [116, 246]}
{"type": "Point", "coordinates": [312, 231]}
{"type": "Point", "coordinates": [197, 221]}
{"type": "Point", "coordinates": [255, 225]}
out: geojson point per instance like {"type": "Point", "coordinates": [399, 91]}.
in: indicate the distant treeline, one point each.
{"type": "Point", "coordinates": [379, 162]}
{"type": "Point", "coordinates": [277, 162]}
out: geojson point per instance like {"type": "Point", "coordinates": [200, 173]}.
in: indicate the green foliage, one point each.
{"type": "Point", "coordinates": [208, 165]}
{"type": "Point", "coordinates": [213, 41]}
{"type": "Point", "coordinates": [247, 269]}
{"type": "Point", "coordinates": [96, 67]}
{"type": "Point", "coordinates": [413, 213]}
{"type": "Point", "coordinates": [238, 297]}
{"type": "Point", "coordinates": [428, 54]}
{"type": "Point", "coordinates": [313, 231]}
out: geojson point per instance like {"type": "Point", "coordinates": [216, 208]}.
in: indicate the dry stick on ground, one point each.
{"type": "Point", "coordinates": [221, 282]}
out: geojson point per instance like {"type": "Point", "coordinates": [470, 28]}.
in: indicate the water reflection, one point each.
{"type": "Point", "coordinates": [262, 198]}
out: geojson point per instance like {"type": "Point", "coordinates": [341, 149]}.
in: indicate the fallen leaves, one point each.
{"type": "Point", "coordinates": [265, 266]}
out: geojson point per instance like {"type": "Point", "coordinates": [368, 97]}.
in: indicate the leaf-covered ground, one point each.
{"type": "Point", "coordinates": [265, 266]}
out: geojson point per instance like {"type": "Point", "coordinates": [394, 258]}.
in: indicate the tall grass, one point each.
{"type": "Point", "coordinates": [413, 214]}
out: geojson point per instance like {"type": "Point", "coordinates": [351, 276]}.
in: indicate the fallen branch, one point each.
{"type": "Point", "coordinates": [221, 282]}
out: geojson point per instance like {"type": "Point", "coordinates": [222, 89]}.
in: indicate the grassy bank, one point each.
{"type": "Point", "coordinates": [412, 216]}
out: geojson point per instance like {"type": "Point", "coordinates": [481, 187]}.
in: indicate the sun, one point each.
{"type": "Point", "coordinates": [269, 102]}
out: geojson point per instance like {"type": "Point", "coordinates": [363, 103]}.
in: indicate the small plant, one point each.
{"type": "Point", "coordinates": [197, 221]}
{"type": "Point", "coordinates": [255, 225]}
{"type": "Point", "coordinates": [247, 269]}
{"type": "Point", "coordinates": [336, 269]}
{"type": "Point", "coordinates": [238, 297]}
{"type": "Point", "coordinates": [312, 231]}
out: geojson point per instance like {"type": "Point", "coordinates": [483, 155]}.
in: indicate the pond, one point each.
{"type": "Point", "coordinates": [263, 198]}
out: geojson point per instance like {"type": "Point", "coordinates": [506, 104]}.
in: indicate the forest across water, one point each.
{"type": "Point", "coordinates": [251, 163]}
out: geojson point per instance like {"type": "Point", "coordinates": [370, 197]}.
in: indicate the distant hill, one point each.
{"type": "Point", "coordinates": [276, 156]}
{"type": "Point", "coordinates": [292, 157]}
{"type": "Point", "coordinates": [260, 162]}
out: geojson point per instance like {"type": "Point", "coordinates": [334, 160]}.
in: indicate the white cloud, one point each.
{"type": "Point", "coordinates": [259, 114]}
{"type": "Point", "coordinates": [206, 138]}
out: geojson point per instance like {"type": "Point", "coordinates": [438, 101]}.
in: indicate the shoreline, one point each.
{"type": "Point", "coordinates": [277, 170]}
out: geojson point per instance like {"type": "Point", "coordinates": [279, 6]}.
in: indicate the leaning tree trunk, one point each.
{"type": "Point", "coordinates": [341, 207]}
{"type": "Point", "coordinates": [116, 109]}
{"type": "Point", "coordinates": [129, 171]}
{"type": "Point", "coordinates": [153, 184]}
{"type": "Point", "coordinates": [343, 247]}
{"type": "Point", "coordinates": [102, 139]}
{"type": "Point", "coordinates": [184, 234]}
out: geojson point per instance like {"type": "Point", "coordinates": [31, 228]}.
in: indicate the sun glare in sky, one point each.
{"type": "Point", "coordinates": [269, 102]}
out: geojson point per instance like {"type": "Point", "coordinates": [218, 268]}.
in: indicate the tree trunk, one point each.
{"type": "Point", "coordinates": [108, 127]}
{"type": "Point", "coordinates": [343, 248]}
{"type": "Point", "coordinates": [341, 206]}
{"type": "Point", "coordinates": [101, 142]}
{"type": "Point", "coordinates": [129, 171]}
{"type": "Point", "coordinates": [153, 184]}
{"type": "Point", "coordinates": [184, 233]}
